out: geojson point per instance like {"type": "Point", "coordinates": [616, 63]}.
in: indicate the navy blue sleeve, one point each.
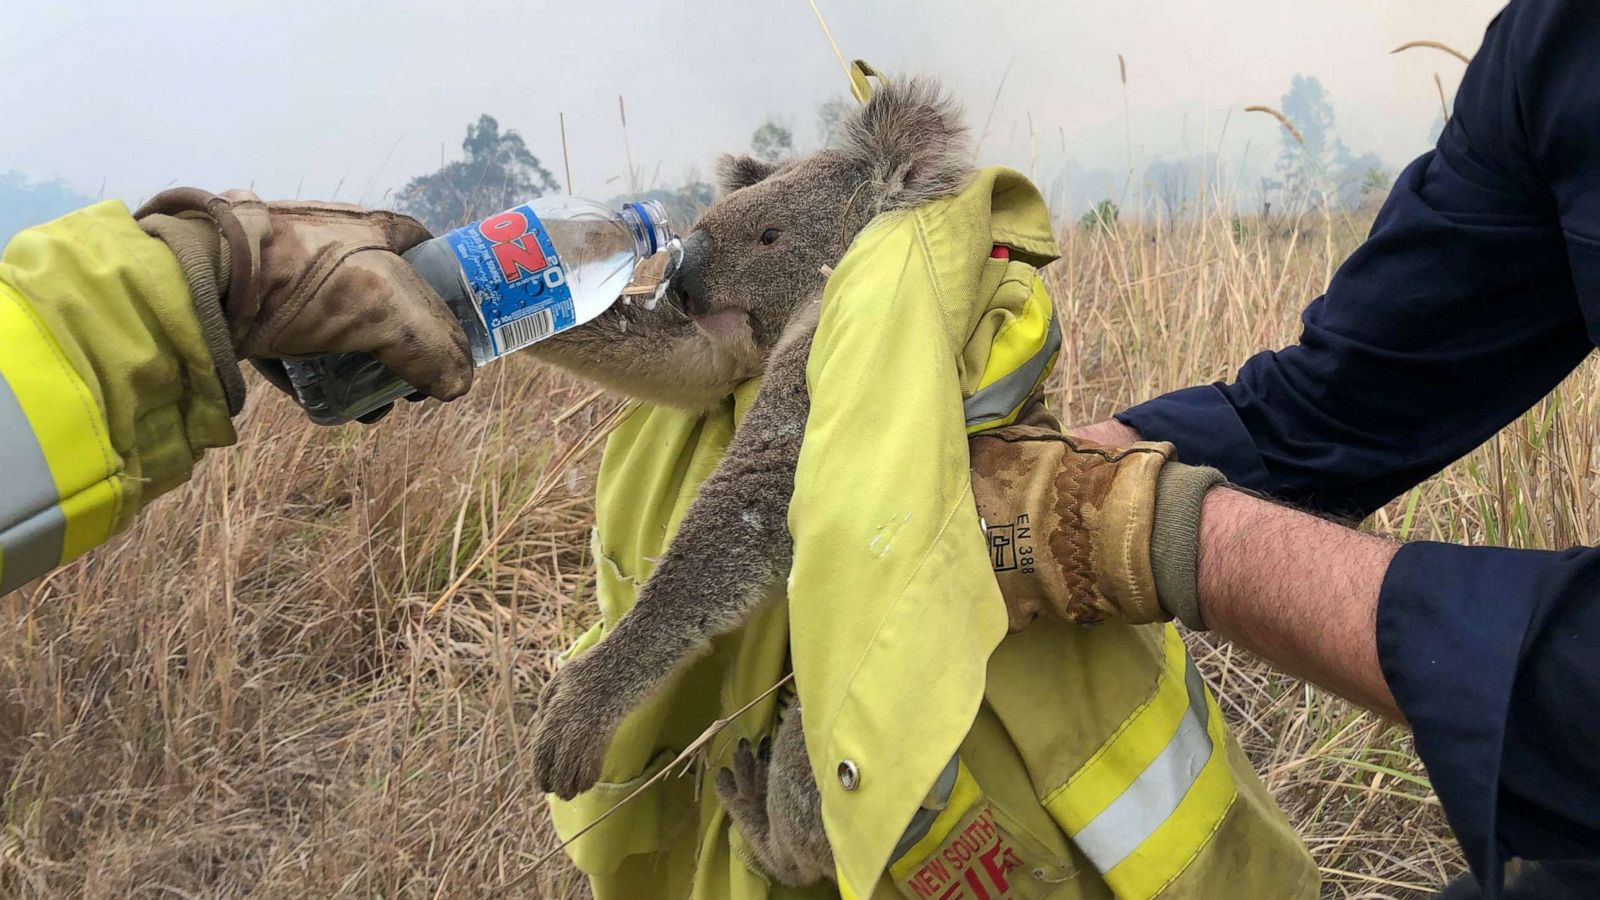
{"type": "Point", "coordinates": [1476, 294]}
{"type": "Point", "coordinates": [1491, 655]}
{"type": "Point", "coordinates": [1455, 316]}
{"type": "Point", "coordinates": [1494, 655]}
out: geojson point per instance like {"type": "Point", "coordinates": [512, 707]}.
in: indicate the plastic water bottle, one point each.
{"type": "Point", "coordinates": [512, 280]}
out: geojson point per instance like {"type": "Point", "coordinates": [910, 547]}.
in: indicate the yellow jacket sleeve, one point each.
{"type": "Point", "coordinates": [108, 396]}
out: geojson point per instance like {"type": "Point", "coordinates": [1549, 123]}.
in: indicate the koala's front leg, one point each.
{"type": "Point", "coordinates": [732, 548]}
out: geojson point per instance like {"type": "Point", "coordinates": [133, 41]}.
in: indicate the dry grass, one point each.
{"type": "Point", "coordinates": [1435, 45]}
{"type": "Point", "coordinates": [1282, 120]}
{"type": "Point", "coordinates": [244, 697]}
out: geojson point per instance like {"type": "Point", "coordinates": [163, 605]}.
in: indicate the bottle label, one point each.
{"type": "Point", "coordinates": [516, 278]}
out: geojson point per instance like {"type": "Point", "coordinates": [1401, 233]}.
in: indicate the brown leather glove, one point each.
{"type": "Point", "coordinates": [1089, 533]}
{"type": "Point", "coordinates": [272, 280]}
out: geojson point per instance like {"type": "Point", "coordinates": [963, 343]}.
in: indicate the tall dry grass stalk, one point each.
{"type": "Point", "coordinates": [245, 696]}
{"type": "Point", "coordinates": [827, 34]}
{"type": "Point", "coordinates": [566, 160]}
{"type": "Point", "coordinates": [1433, 45]}
{"type": "Point", "coordinates": [627, 146]}
{"type": "Point", "coordinates": [1127, 123]}
{"type": "Point", "coordinates": [994, 103]}
{"type": "Point", "coordinates": [1282, 120]}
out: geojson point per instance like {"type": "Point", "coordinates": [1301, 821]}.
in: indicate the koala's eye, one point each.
{"type": "Point", "coordinates": [770, 236]}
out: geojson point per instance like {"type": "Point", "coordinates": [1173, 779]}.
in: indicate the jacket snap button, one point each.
{"type": "Point", "coordinates": [849, 775]}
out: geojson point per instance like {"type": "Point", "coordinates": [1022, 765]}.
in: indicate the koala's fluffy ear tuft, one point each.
{"type": "Point", "coordinates": [913, 141]}
{"type": "Point", "coordinates": [735, 172]}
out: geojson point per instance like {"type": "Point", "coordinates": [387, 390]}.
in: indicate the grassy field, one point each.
{"type": "Point", "coordinates": [246, 697]}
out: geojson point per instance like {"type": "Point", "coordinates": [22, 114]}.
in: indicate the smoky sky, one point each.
{"type": "Point", "coordinates": [344, 99]}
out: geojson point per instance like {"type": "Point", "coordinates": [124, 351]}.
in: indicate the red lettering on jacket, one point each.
{"type": "Point", "coordinates": [929, 878]}
{"type": "Point", "coordinates": [975, 863]}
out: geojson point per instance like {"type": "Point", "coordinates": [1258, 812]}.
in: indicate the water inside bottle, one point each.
{"type": "Point", "coordinates": [590, 258]}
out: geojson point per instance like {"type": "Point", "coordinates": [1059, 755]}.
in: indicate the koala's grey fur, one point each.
{"type": "Point", "coordinates": [742, 306]}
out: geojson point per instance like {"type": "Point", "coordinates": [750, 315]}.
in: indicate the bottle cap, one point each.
{"type": "Point", "coordinates": [651, 228]}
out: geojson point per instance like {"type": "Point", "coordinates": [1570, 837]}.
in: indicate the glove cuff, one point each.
{"type": "Point", "coordinates": [194, 238]}
{"type": "Point", "coordinates": [240, 247]}
{"type": "Point", "coordinates": [1124, 527]}
{"type": "Point", "coordinates": [1175, 539]}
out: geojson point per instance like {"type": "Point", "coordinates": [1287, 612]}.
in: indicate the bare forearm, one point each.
{"type": "Point", "coordinates": [1296, 590]}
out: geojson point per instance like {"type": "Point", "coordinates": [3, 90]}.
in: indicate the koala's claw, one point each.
{"type": "Point", "coordinates": [574, 732]}
{"type": "Point", "coordinates": [742, 786]}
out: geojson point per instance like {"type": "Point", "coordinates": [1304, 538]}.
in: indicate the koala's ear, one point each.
{"type": "Point", "coordinates": [735, 172]}
{"type": "Point", "coordinates": [913, 142]}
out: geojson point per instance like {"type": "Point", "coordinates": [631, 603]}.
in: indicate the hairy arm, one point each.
{"type": "Point", "coordinates": [1299, 591]}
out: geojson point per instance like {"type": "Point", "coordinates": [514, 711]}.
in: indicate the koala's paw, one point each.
{"type": "Point", "coordinates": [742, 787]}
{"type": "Point", "coordinates": [576, 724]}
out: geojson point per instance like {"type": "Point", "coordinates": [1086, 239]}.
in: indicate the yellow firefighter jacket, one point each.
{"type": "Point", "coordinates": [954, 761]}
{"type": "Point", "coordinates": [108, 396]}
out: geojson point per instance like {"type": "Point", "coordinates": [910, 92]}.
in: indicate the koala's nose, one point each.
{"type": "Point", "coordinates": [689, 281]}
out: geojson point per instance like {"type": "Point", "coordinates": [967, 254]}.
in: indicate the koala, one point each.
{"type": "Point", "coordinates": [744, 302]}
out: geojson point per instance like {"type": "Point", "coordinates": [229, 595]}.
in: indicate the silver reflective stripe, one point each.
{"type": "Point", "coordinates": [923, 820]}
{"type": "Point", "coordinates": [31, 524]}
{"type": "Point", "coordinates": [30, 549]}
{"type": "Point", "coordinates": [1001, 399]}
{"type": "Point", "coordinates": [1155, 794]}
